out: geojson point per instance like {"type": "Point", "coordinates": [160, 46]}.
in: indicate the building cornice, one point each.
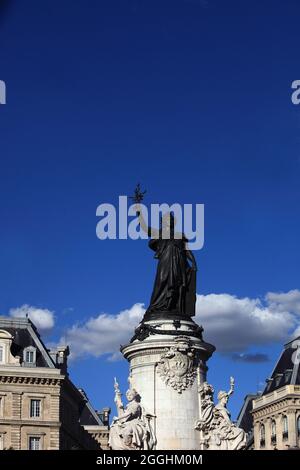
{"type": "Point", "coordinates": [29, 376]}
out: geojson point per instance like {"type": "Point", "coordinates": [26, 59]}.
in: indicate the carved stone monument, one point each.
{"type": "Point", "coordinates": [216, 429]}
{"type": "Point", "coordinates": [167, 357]}
{"type": "Point", "coordinates": [131, 429]}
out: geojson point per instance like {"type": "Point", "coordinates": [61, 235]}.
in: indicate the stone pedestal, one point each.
{"type": "Point", "coordinates": [167, 364]}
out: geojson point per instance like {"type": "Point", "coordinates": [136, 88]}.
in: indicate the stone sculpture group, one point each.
{"type": "Point", "coordinates": [166, 354]}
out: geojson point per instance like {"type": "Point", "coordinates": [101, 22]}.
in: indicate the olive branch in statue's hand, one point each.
{"type": "Point", "coordinates": [138, 194]}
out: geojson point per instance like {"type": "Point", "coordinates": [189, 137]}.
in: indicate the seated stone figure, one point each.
{"type": "Point", "coordinates": [217, 430]}
{"type": "Point", "coordinates": [131, 430]}
{"type": "Point", "coordinates": [226, 435]}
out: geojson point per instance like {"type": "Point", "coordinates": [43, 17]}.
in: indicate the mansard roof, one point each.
{"type": "Point", "coordinates": [25, 334]}
{"type": "Point", "coordinates": [286, 371]}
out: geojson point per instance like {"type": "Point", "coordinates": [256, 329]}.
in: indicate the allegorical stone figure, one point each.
{"type": "Point", "coordinates": [131, 429]}
{"type": "Point", "coordinates": [174, 288]}
{"type": "Point", "coordinates": [215, 423]}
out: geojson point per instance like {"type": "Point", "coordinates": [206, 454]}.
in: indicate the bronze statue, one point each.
{"type": "Point", "coordinates": [174, 291]}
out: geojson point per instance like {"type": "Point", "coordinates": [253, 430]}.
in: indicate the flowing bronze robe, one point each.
{"type": "Point", "coordinates": [175, 282]}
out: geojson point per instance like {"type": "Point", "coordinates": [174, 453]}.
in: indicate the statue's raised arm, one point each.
{"type": "Point", "coordinates": [137, 198]}
{"type": "Point", "coordinates": [151, 232]}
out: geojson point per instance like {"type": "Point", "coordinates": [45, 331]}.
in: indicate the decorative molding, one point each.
{"type": "Point", "coordinates": [144, 330]}
{"type": "Point", "coordinates": [177, 366]}
{"type": "Point", "coordinates": [13, 379]}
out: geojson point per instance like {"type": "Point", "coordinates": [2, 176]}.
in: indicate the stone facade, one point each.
{"type": "Point", "coordinates": [276, 413]}
{"type": "Point", "coordinates": [40, 408]}
{"type": "Point", "coordinates": [276, 418]}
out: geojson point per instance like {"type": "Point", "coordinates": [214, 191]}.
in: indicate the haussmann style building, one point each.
{"type": "Point", "coordinates": [276, 413]}
{"type": "Point", "coordinates": [272, 418]}
{"type": "Point", "coordinates": [40, 407]}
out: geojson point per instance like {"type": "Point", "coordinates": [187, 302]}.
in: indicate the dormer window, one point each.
{"type": "Point", "coordinates": [29, 356]}
{"type": "Point", "coordinates": [278, 378]}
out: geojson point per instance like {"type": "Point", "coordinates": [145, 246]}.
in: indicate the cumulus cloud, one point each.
{"type": "Point", "coordinates": [232, 324]}
{"type": "Point", "coordinates": [104, 333]}
{"type": "Point", "coordinates": [285, 301]}
{"type": "Point", "coordinates": [42, 318]}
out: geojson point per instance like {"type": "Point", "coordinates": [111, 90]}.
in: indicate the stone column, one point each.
{"type": "Point", "coordinates": [269, 445]}
{"type": "Point", "coordinates": [292, 430]}
{"type": "Point", "coordinates": [257, 436]}
{"type": "Point", "coordinates": [164, 358]}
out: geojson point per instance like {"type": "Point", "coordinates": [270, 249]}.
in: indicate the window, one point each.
{"type": "Point", "coordinates": [298, 426]}
{"type": "Point", "coordinates": [35, 408]}
{"type": "Point", "coordinates": [29, 356]}
{"type": "Point", "coordinates": [34, 443]}
{"type": "Point", "coordinates": [262, 436]}
{"type": "Point", "coordinates": [273, 431]}
{"type": "Point", "coordinates": [1, 442]}
{"type": "Point", "coordinates": [1, 354]}
{"type": "Point", "coordinates": [285, 431]}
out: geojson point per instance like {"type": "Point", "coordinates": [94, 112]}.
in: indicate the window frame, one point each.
{"type": "Point", "coordinates": [35, 438]}
{"type": "Point", "coordinates": [33, 410]}
{"type": "Point", "coordinates": [29, 350]}
{"type": "Point", "coordinates": [285, 427]}
{"type": "Point", "coordinates": [273, 432]}
{"type": "Point", "coordinates": [262, 435]}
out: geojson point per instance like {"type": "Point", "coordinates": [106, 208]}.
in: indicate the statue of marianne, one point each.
{"type": "Point", "coordinates": [174, 290]}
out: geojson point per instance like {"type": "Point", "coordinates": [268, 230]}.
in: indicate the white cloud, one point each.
{"type": "Point", "coordinates": [104, 333]}
{"type": "Point", "coordinates": [232, 324]}
{"type": "Point", "coordinates": [282, 302]}
{"type": "Point", "coordinates": [42, 318]}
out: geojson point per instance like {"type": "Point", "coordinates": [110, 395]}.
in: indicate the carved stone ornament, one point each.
{"type": "Point", "coordinates": [177, 365]}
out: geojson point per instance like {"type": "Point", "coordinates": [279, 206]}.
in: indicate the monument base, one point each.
{"type": "Point", "coordinates": [167, 365]}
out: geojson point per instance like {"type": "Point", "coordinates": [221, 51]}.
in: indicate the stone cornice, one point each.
{"type": "Point", "coordinates": [281, 404]}
{"type": "Point", "coordinates": [30, 380]}
{"type": "Point", "coordinates": [158, 345]}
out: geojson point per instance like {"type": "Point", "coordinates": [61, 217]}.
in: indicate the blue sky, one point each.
{"type": "Point", "coordinates": [193, 99]}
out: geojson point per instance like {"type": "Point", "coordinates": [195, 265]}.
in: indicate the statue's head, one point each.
{"type": "Point", "coordinates": [132, 394]}
{"type": "Point", "coordinates": [223, 397]}
{"type": "Point", "coordinates": [207, 388]}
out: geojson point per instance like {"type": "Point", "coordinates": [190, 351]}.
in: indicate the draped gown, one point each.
{"type": "Point", "coordinates": [175, 282]}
